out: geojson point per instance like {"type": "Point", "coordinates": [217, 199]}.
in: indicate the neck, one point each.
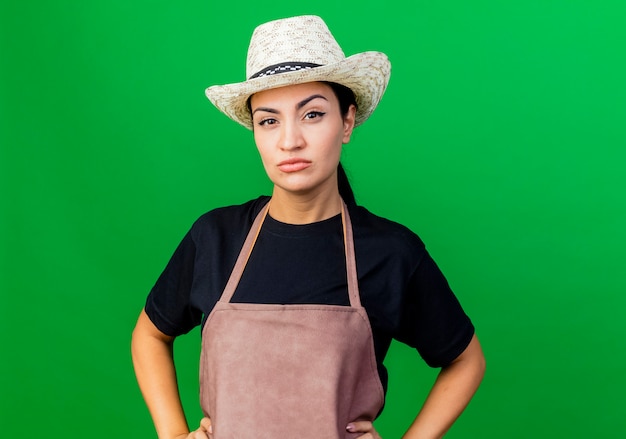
{"type": "Point", "coordinates": [293, 208]}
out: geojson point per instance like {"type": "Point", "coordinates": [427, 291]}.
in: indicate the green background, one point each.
{"type": "Point", "coordinates": [500, 141]}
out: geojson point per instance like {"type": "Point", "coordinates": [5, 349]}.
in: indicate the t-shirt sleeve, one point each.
{"type": "Point", "coordinates": [432, 319]}
{"type": "Point", "coordinates": [169, 303]}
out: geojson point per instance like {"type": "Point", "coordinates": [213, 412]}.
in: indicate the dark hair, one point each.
{"type": "Point", "coordinates": [345, 96]}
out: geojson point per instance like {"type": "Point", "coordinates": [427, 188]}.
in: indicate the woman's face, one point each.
{"type": "Point", "coordinates": [299, 132]}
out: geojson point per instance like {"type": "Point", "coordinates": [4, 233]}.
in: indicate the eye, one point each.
{"type": "Point", "coordinates": [267, 121]}
{"type": "Point", "coordinates": [314, 114]}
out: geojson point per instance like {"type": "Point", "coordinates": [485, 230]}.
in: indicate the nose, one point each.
{"type": "Point", "coordinates": [291, 137]}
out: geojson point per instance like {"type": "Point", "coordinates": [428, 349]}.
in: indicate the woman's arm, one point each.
{"type": "Point", "coordinates": [452, 391]}
{"type": "Point", "coordinates": [153, 360]}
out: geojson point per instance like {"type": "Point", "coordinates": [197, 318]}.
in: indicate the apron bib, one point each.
{"type": "Point", "coordinates": [282, 371]}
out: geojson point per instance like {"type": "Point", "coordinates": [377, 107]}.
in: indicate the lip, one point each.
{"type": "Point", "coordinates": [293, 165]}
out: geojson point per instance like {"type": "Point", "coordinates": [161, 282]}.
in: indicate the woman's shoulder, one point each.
{"type": "Point", "coordinates": [366, 222]}
{"type": "Point", "coordinates": [377, 234]}
{"type": "Point", "coordinates": [233, 217]}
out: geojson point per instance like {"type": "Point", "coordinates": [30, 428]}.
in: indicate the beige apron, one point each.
{"type": "Point", "coordinates": [286, 371]}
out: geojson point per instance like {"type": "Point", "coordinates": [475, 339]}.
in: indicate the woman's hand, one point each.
{"type": "Point", "coordinates": [203, 432]}
{"type": "Point", "coordinates": [365, 427]}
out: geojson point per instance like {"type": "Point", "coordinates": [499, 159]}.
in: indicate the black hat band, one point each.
{"type": "Point", "coordinates": [284, 68]}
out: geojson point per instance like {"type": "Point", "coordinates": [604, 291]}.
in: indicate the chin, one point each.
{"type": "Point", "coordinates": [300, 184]}
{"type": "Point", "coordinates": [296, 190]}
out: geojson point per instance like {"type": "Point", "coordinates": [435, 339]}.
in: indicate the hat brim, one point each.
{"type": "Point", "coordinates": [366, 74]}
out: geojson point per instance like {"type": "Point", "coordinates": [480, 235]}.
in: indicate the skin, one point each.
{"type": "Point", "coordinates": [299, 132]}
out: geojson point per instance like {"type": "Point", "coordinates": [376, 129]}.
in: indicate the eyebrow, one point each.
{"type": "Point", "coordinates": [303, 102]}
{"type": "Point", "coordinates": [299, 105]}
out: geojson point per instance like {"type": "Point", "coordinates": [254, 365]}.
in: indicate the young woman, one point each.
{"type": "Point", "coordinates": [301, 294]}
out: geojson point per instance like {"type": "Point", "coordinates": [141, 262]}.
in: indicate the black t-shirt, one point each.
{"type": "Point", "coordinates": [402, 290]}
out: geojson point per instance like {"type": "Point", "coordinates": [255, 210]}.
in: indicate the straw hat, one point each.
{"type": "Point", "coordinates": [297, 50]}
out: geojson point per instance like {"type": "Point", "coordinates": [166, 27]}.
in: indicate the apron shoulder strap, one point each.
{"type": "Point", "coordinates": [348, 243]}
{"type": "Point", "coordinates": [244, 254]}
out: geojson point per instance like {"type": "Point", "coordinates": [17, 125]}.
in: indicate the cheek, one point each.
{"type": "Point", "coordinates": [267, 158]}
{"type": "Point", "coordinates": [335, 144]}
{"type": "Point", "coordinates": [260, 146]}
